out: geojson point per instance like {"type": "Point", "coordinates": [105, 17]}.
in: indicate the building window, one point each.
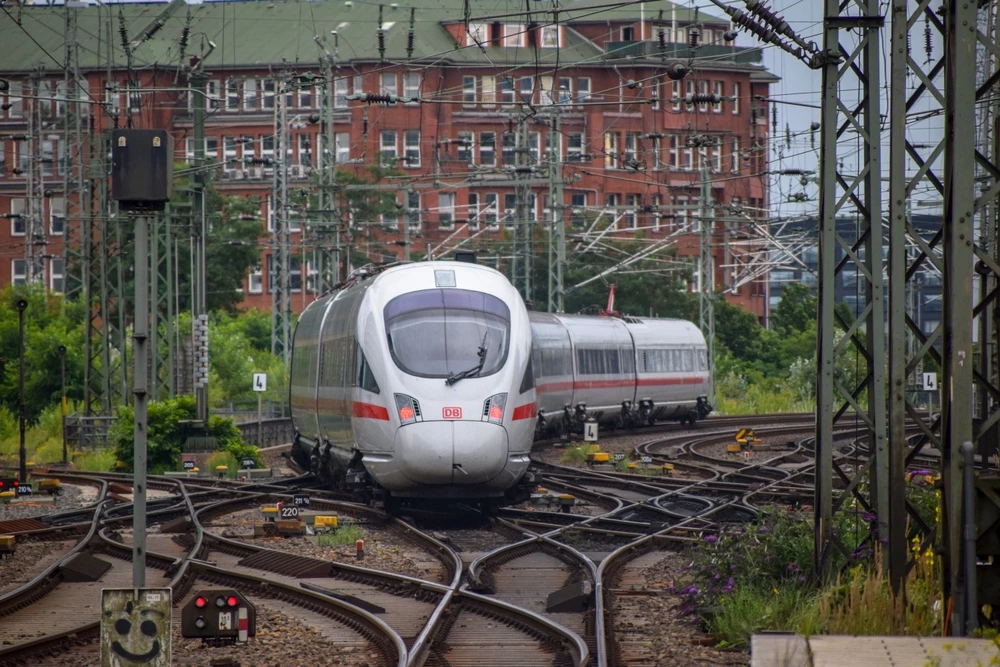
{"type": "Point", "coordinates": [488, 149]}
{"type": "Point", "coordinates": [18, 223]}
{"type": "Point", "coordinates": [675, 96]}
{"type": "Point", "coordinates": [574, 147]}
{"type": "Point", "coordinates": [628, 34]}
{"type": "Point", "coordinates": [490, 210]}
{"type": "Point", "coordinates": [656, 149]}
{"type": "Point", "coordinates": [268, 96]}
{"type": "Point", "coordinates": [15, 100]}
{"type": "Point", "coordinates": [113, 98]}
{"type": "Point", "coordinates": [306, 97]}
{"type": "Point", "coordinates": [214, 100]}
{"type": "Point", "coordinates": [305, 150]}
{"type": "Point", "coordinates": [672, 151]}
{"type": "Point", "coordinates": [611, 150]}
{"type": "Point", "coordinates": [343, 147]}
{"type": "Point", "coordinates": [508, 149]}
{"type": "Point", "coordinates": [413, 208]}
{"type": "Point", "coordinates": [479, 33]}
{"type": "Point", "coordinates": [534, 141]}
{"type": "Point", "coordinates": [687, 160]}
{"type": "Point", "coordinates": [387, 147]}
{"type": "Point", "coordinates": [412, 148]}
{"type": "Point", "coordinates": [446, 210]}
{"type": "Point", "coordinates": [473, 210]}
{"type": "Point", "coordinates": [232, 95]}
{"type": "Point", "coordinates": [681, 215]}
{"type": "Point", "coordinates": [654, 93]}
{"type": "Point", "coordinates": [513, 35]}
{"type": "Point", "coordinates": [735, 157]}
{"type": "Point", "coordinates": [294, 274]}
{"type": "Point", "coordinates": [565, 90]}
{"type": "Point", "coordinates": [229, 153]}
{"type": "Point", "coordinates": [411, 86]}
{"type": "Point", "coordinates": [466, 147]}
{"type": "Point", "coordinates": [389, 84]}
{"type": "Point", "coordinates": [548, 93]}
{"type": "Point", "coordinates": [736, 99]}
{"type": "Point", "coordinates": [56, 275]}
{"type": "Point", "coordinates": [657, 214]}
{"type": "Point", "coordinates": [611, 203]}
{"type": "Point", "coordinates": [57, 215]}
{"type": "Point", "coordinates": [632, 150]}
{"type": "Point", "coordinates": [583, 89]}
{"type": "Point", "coordinates": [250, 94]}
{"type": "Point", "coordinates": [469, 91]}
{"type": "Point", "coordinates": [548, 147]}
{"type": "Point", "coordinates": [630, 215]}
{"type": "Point", "coordinates": [527, 90]}
{"type": "Point", "coordinates": [18, 271]}
{"type": "Point", "coordinates": [135, 97]}
{"type": "Point", "coordinates": [506, 91]}
{"type": "Point", "coordinates": [340, 93]}
{"type": "Point", "coordinates": [717, 106]}
{"type": "Point", "coordinates": [578, 200]}
{"type": "Point", "coordinates": [703, 89]}
{"type": "Point", "coordinates": [509, 208]}
{"type": "Point", "coordinates": [716, 154]}
{"type": "Point", "coordinates": [489, 90]}
{"type": "Point", "coordinates": [551, 37]}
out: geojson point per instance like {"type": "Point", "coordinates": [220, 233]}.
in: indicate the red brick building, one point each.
{"type": "Point", "coordinates": [631, 151]}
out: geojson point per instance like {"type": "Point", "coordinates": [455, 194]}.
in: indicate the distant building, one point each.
{"type": "Point", "coordinates": [631, 148]}
{"type": "Point", "coordinates": [923, 290]}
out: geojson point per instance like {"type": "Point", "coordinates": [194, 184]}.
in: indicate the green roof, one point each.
{"type": "Point", "coordinates": [263, 34]}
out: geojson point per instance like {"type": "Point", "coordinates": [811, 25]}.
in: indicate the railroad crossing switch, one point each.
{"type": "Point", "coordinates": [51, 486]}
{"type": "Point", "coordinates": [566, 501]}
{"type": "Point", "coordinates": [270, 512]}
{"type": "Point", "coordinates": [747, 437]}
{"type": "Point", "coordinates": [631, 465]}
{"type": "Point", "coordinates": [570, 599]}
{"type": "Point", "coordinates": [325, 523]}
{"type": "Point", "coordinates": [221, 470]}
{"type": "Point", "coordinates": [734, 448]}
{"type": "Point", "coordinates": [8, 543]}
{"type": "Point", "coordinates": [668, 468]}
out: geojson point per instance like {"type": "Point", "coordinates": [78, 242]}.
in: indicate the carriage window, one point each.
{"type": "Point", "coordinates": [703, 360]}
{"type": "Point", "coordinates": [628, 363]}
{"type": "Point", "coordinates": [528, 380]}
{"type": "Point", "coordinates": [437, 333]}
{"type": "Point", "coordinates": [689, 360]}
{"type": "Point", "coordinates": [599, 362]}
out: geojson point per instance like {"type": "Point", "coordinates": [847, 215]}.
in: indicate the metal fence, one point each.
{"type": "Point", "coordinates": [268, 433]}
{"type": "Point", "coordinates": [87, 432]}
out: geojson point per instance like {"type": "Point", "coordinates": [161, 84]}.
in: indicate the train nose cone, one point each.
{"type": "Point", "coordinates": [451, 452]}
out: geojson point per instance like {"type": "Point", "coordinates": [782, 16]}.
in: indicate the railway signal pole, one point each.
{"type": "Point", "coordinates": [706, 273]}
{"type": "Point", "coordinates": [557, 223]}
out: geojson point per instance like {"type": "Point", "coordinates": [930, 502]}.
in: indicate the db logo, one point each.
{"type": "Point", "coordinates": [451, 413]}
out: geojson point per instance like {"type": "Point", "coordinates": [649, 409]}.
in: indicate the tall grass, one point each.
{"type": "Point", "coordinates": [343, 536]}
{"type": "Point", "coordinates": [99, 460]}
{"type": "Point", "coordinates": [223, 458]}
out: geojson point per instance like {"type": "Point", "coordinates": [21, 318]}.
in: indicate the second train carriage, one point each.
{"type": "Point", "coordinates": [622, 372]}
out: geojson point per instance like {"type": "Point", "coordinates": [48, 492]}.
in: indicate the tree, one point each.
{"type": "Point", "coordinates": [796, 310]}
{"type": "Point", "coordinates": [738, 330]}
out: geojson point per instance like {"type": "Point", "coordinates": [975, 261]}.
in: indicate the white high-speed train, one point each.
{"type": "Point", "coordinates": [430, 381]}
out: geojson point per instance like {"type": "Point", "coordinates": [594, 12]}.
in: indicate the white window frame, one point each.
{"type": "Point", "coordinates": [388, 151]}
{"type": "Point", "coordinates": [268, 94]}
{"type": "Point", "coordinates": [575, 154]}
{"type": "Point", "coordinates": [736, 98]}
{"type": "Point", "coordinates": [340, 93]}
{"type": "Point", "coordinates": [18, 217]}
{"type": "Point", "coordinates": [229, 156]}
{"type": "Point", "coordinates": [526, 90]}
{"type": "Point", "coordinates": [411, 149]}
{"type": "Point", "coordinates": [689, 89]}
{"type": "Point", "coordinates": [717, 89]}
{"type": "Point", "coordinates": [212, 94]}
{"type": "Point", "coordinates": [550, 36]}
{"type": "Point", "coordinates": [414, 213]}
{"type": "Point", "coordinates": [488, 91]}
{"type": "Point", "coordinates": [583, 89]}
{"type": "Point", "coordinates": [657, 150]}
{"type": "Point", "coordinates": [409, 88]}
{"type": "Point", "coordinates": [250, 95]}
{"type": "Point", "coordinates": [621, 33]}
{"type": "Point", "coordinates": [469, 150]}
{"type": "Point", "coordinates": [57, 209]}
{"type": "Point", "coordinates": [675, 96]}
{"type": "Point", "coordinates": [611, 159]}
{"type": "Point", "coordinates": [469, 96]}
{"type": "Point", "coordinates": [255, 281]}
{"type": "Point", "coordinates": [446, 210]}
{"type": "Point", "coordinates": [307, 97]}
{"type": "Point", "coordinates": [655, 98]}
{"type": "Point", "coordinates": [631, 146]}
{"type": "Point", "coordinates": [388, 85]}
{"type": "Point", "coordinates": [507, 94]}
{"type": "Point", "coordinates": [305, 146]}
{"type": "Point", "coordinates": [232, 94]}
{"type": "Point", "coordinates": [478, 32]}
{"type": "Point", "coordinates": [15, 99]}
{"type": "Point", "coordinates": [472, 210]}
{"type": "Point", "coordinates": [513, 35]}
{"type": "Point", "coordinates": [735, 156]}
{"type": "Point", "coordinates": [681, 214]}
{"type": "Point", "coordinates": [493, 152]}
{"type": "Point", "coordinates": [548, 94]}
{"type": "Point", "coordinates": [491, 212]}
{"type": "Point", "coordinates": [18, 277]}
{"type": "Point", "coordinates": [57, 276]}
{"type": "Point", "coordinates": [715, 151]}
{"type": "Point", "coordinates": [657, 213]}
{"type": "Point", "coordinates": [565, 92]}
{"type": "Point", "coordinates": [342, 147]}
{"type": "Point", "coordinates": [631, 217]}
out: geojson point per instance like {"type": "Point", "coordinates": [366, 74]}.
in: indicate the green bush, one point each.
{"type": "Point", "coordinates": [222, 459]}
{"type": "Point", "coordinates": [168, 432]}
{"type": "Point", "coordinates": [576, 454]}
{"type": "Point", "coordinates": [99, 460]}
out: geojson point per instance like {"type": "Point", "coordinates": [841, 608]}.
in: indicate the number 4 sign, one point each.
{"type": "Point", "coordinates": [260, 381]}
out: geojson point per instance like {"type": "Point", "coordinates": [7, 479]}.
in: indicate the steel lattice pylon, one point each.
{"type": "Point", "coordinates": [75, 190]}
{"type": "Point", "coordinates": [281, 306]}
{"type": "Point", "coordinates": [851, 66]}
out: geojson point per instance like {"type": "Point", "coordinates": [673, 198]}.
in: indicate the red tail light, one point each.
{"type": "Point", "coordinates": [405, 413]}
{"type": "Point", "coordinates": [496, 412]}
{"type": "Point", "coordinates": [494, 407]}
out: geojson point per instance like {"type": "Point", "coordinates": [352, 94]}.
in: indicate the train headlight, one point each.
{"type": "Point", "coordinates": [407, 408]}
{"type": "Point", "coordinates": [493, 408]}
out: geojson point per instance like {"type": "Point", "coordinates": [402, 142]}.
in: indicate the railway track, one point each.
{"type": "Point", "coordinates": [529, 587]}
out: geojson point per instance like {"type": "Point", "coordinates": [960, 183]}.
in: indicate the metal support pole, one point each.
{"type": "Point", "coordinates": [22, 455]}
{"type": "Point", "coordinates": [62, 365]}
{"type": "Point", "coordinates": [260, 419]}
{"type": "Point", "coordinates": [281, 305]}
{"type": "Point", "coordinates": [706, 268]}
{"type": "Point", "coordinates": [198, 81]}
{"type": "Point", "coordinates": [557, 223]}
{"type": "Point", "coordinates": [140, 359]}
{"type": "Point", "coordinates": [521, 274]}
{"type": "Point", "coordinates": [969, 533]}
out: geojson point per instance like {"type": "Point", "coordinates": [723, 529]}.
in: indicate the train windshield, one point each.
{"type": "Point", "coordinates": [438, 333]}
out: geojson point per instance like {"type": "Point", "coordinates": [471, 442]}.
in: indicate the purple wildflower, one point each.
{"type": "Point", "coordinates": [711, 539]}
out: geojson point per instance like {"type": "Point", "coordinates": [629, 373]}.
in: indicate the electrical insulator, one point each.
{"type": "Point", "coordinates": [693, 38]}
{"type": "Point", "coordinates": [702, 98]}
{"type": "Point", "coordinates": [381, 45]}
{"type": "Point", "coordinates": [185, 33]}
{"type": "Point", "coordinates": [928, 45]}
{"type": "Point", "coordinates": [661, 37]}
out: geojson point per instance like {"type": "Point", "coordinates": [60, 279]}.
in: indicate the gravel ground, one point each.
{"type": "Point", "coordinates": [673, 639]}
{"type": "Point", "coordinates": [73, 497]}
{"type": "Point", "coordinates": [29, 559]}
{"type": "Point", "coordinates": [777, 442]}
{"type": "Point", "coordinates": [384, 549]}
{"type": "Point", "coordinates": [281, 640]}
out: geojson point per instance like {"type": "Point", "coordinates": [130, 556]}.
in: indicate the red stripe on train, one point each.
{"type": "Point", "coordinates": [553, 387]}
{"type": "Point", "coordinates": [369, 411]}
{"type": "Point", "coordinates": [526, 411]}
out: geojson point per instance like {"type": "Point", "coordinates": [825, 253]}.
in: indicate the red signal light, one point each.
{"type": "Point", "coordinates": [200, 602]}
{"type": "Point", "coordinates": [16, 483]}
{"type": "Point", "coordinates": [232, 601]}
{"type": "Point", "coordinates": [1, 483]}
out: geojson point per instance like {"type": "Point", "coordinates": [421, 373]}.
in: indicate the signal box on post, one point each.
{"type": "Point", "coordinates": [219, 616]}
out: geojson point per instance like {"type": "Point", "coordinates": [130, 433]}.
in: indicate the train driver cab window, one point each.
{"type": "Point", "coordinates": [365, 378]}
{"type": "Point", "coordinates": [439, 333]}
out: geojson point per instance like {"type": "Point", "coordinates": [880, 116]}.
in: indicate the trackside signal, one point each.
{"type": "Point", "coordinates": [218, 616]}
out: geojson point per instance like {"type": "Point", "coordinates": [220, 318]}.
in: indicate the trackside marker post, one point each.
{"type": "Point", "coordinates": [244, 624]}
{"type": "Point", "coordinates": [361, 549]}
